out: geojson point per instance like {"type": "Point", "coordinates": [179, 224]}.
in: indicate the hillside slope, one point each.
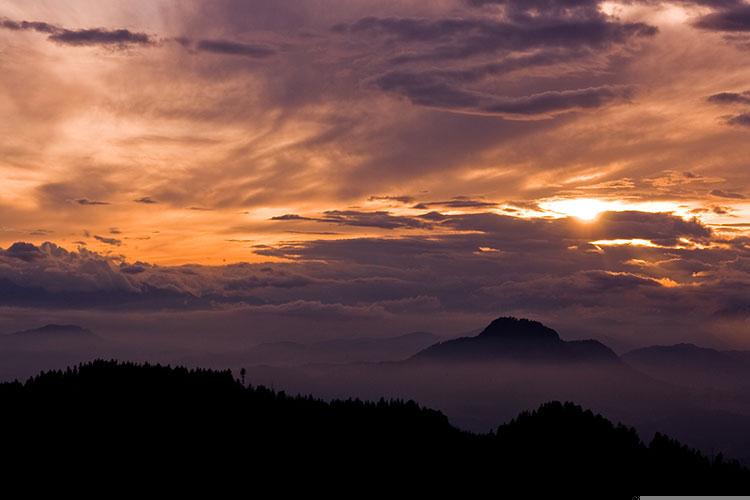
{"type": "Point", "coordinates": [174, 420]}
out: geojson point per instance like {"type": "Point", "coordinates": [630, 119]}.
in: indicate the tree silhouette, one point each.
{"type": "Point", "coordinates": [182, 425]}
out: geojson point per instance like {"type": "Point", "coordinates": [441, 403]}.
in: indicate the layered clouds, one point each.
{"type": "Point", "coordinates": [634, 277]}
{"type": "Point", "coordinates": [376, 161]}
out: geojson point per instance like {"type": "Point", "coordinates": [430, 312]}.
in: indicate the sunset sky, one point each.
{"type": "Point", "coordinates": [291, 168]}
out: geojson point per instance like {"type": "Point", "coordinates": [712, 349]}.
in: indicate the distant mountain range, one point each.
{"type": "Point", "coordinates": [693, 366]}
{"type": "Point", "coordinates": [56, 331]}
{"type": "Point", "coordinates": [342, 350]}
{"type": "Point", "coordinates": [51, 337]}
{"type": "Point", "coordinates": [51, 346]}
{"type": "Point", "coordinates": [518, 339]}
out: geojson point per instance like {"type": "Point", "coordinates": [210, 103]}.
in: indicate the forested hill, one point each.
{"type": "Point", "coordinates": [134, 419]}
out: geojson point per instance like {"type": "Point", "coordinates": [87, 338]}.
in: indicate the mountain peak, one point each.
{"type": "Point", "coordinates": [510, 338]}
{"type": "Point", "coordinates": [518, 329]}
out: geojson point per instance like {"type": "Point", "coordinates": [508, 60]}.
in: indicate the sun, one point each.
{"type": "Point", "coordinates": [586, 209]}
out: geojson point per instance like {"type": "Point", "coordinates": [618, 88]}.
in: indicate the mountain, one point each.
{"type": "Point", "coordinates": [51, 346]}
{"type": "Point", "coordinates": [517, 339]}
{"type": "Point", "coordinates": [51, 338]}
{"type": "Point", "coordinates": [694, 366]}
{"type": "Point", "coordinates": [202, 425]}
{"type": "Point", "coordinates": [343, 350]}
{"type": "Point", "coordinates": [53, 331]}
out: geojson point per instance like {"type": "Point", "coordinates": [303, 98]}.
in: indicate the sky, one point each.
{"type": "Point", "coordinates": [258, 170]}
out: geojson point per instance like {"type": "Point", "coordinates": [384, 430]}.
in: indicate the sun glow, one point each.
{"type": "Point", "coordinates": [586, 209]}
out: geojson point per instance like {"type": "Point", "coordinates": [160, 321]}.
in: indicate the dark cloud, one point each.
{"type": "Point", "coordinates": [400, 199]}
{"type": "Point", "coordinates": [742, 119]}
{"type": "Point", "coordinates": [235, 48]}
{"type": "Point", "coordinates": [23, 251]}
{"type": "Point", "coordinates": [443, 95]}
{"type": "Point", "coordinates": [108, 241]}
{"type": "Point", "coordinates": [100, 36]}
{"type": "Point", "coordinates": [462, 63]}
{"type": "Point", "coordinates": [457, 202]}
{"type": "Point", "coordinates": [735, 18]}
{"type": "Point", "coordinates": [86, 201]}
{"type": "Point", "coordinates": [83, 37]}
{"type": "Point", "coordinates": [379, 219]}
{"type": "Point", "coordinates": [730, 98]}
{"type": "Point", "coordinates": [727, 194]}
{"type": "Point", "coordinates": [28, 25]}
{"type": "Point", "coordinates": [538, 4]}
{"type": "Point", "coordinates": [291, 217]}
{"type": "Point", "coordinates": [464, 37]}
{"type": "Point", "coordinates": [146, 200]}
{"type": "Point", "coordinates": [136, 268]}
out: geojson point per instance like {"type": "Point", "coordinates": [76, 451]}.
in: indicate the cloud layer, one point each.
{"type": "Point", "coordinates": [377, 165]}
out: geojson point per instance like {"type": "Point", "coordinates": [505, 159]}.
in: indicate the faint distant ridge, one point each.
{"type": "Point", "coordinates": [692, 365]}
{"type": "Point", "coordinates": [332, 351]}
{"type": "Point", "coordinates": [54, 330]}
{"type": "Point", "coordinates": [508, 338]}
{"type": "Point", "coordinates": [54, 339]}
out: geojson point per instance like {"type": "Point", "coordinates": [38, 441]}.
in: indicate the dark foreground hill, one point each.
{"type": "Point", "coordinates": [126, 422]}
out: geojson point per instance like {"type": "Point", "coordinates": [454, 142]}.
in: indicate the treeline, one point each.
{"type": "Point", "coordinates": [149, 420]}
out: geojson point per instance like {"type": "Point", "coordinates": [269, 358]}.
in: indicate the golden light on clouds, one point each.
{"type": "Point", "coordinates": [586, 209]}
{"type": "Point", "coordinates": [468, 157]}
{"type": "Point", "coordinates": [253, 130]}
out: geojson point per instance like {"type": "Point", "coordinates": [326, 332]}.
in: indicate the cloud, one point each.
{"type": "Point", "coordinates": [87, 202]}
{"type": "Point", "coordinates": [730, 98]}
{"type": "Point", "coordinates": [23, 251]}
{"type": "Point", "coordinates": [83, 37]}
{"type": "Point", "coordinates": [735, 18]}
{"type": "Point", "coordinates": [456, 202]}
{"type": "Point", "coordinates": [108, 241]}
{"type": "Point", "coordinates": [400, 199]}
{"type": "Point", "coordinates": [291, 217]}
{"type": "Point", "coordinates": [28, 25]}
{"type": "Point", "coordinates": [726, 194]}
{"type": "Point", "coordinates": [235, 48]}
{"type": "Point", "coordinates": [546, 268]}
{"type": "Point", "coordinates": [471, 36]}
{"type": "Point", "coordinates": [544, 104]}
{"type": "Point", "coordinates": [742, 119]}
{"type": "Point", "coordinates": [459, 64]}
{"type": "Point", "coordinates": [146, 200]}
{"type": "Point", "coordinates": [409, 100]}
{"type": "Point", "coordinates": [379, 219]}
{"type": "Point", "coordinates": [100, 36]}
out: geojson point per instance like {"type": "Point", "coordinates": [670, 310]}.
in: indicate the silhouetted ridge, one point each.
{"type": "Point", "coordinates": [517, 339]}
{"type": "Point", "coordinates": [694, 366]}
{"type": "Point", "coordinates": [519, 329]}
{"type": "Point", "coordinates": [174, 424]}
{"type": "Point", "coordinates": [57, 330]}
